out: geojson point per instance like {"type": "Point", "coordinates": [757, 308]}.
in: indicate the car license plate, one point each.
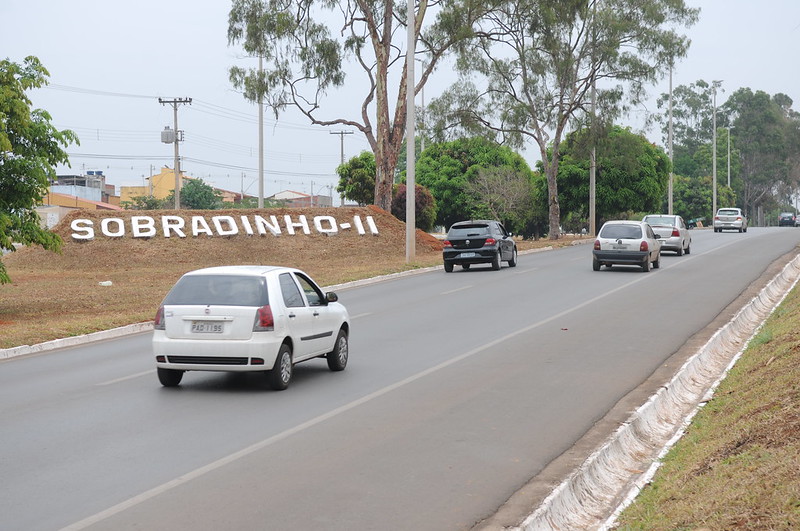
{"type": "Point", "coordinates": [206, 327]}
{"type": "Point", "coordinates": [619, 247]}
{"type": "Point", "coordinates": [467, 255]}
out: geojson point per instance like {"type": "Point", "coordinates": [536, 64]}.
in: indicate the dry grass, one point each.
{"type": "Point", "coordinates": [59, 295]}
{"type": "Point", "coordinates": [738, 466]}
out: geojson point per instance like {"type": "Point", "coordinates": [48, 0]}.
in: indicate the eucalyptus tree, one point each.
{"type": "Point", "coordinates": [692, 123]}
{"type": "Point", "coordinates": [306, 61]}
{"type": "Point", "coordinates": [538, 62]}
{"type": "Point", "coordinates": [766, 129]}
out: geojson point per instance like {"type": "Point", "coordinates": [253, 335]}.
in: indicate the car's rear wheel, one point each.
{"type": "Point", "coordinates": [513, 261]}
{"type": "Point", "coordinates": [281, 373]}
{"type": "Point", "coordinates": [448, 267]}
{"type": "Point", "coordinates": [496, 261]}
{"type": "Point", "coordinates": [169, 377]}
{"type": "Point", "coordinates": [595, 264]}
{"type": "Point", "coordinates": [646, 264]}
{"type": "Point", "coordinates": [680, 250]}
{"type": "Point", "coordinates": [337, 358]}
{"type": "Point", "coordinates": [465, 266]}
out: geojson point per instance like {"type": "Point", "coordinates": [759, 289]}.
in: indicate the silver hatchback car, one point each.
{"type": "Point", "coordinates": [248, 318]}
{"type": "Point", "coordinates": [675, 236]}
{"type": "Point", "coordinates": [730, 219]}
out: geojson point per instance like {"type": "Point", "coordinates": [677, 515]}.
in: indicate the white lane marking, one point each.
{"type": "Point", "coordinates": [456, 290]}
{"type": "Point", "coordinates": [131, 377]}
{"type": "Point", "coordinates": [526, 271]}
{"type": "Point", "coordinates": [360, 315]}
{"type": "Point", "coordinates": [199, 472]}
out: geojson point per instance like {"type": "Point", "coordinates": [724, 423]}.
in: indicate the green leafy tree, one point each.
{"type": "Point", "coordinates": [197, 195]}
{"type": "Point", "coordinates": [145, 202]}
{"type": "Point", "coordinates": [425, 206]}
{"type": "Point", "coordinates": [632, 175]}
{"type": "Point", "coordinates": [537, 63]}
{"type": "Point", "coordinates": [448, 168]}
{"type": "Point", "coordinates": [692, 197]}
{"type": "Point", "coordinates": [30, 149]}
{"type": "Point", "coordinates": [505, 194]}
{"type": "Point", "coordinates": [357, 178]}
{"type": "Point", "coordinates": [304, 60]}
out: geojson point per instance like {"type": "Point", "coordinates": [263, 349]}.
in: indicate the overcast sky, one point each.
{"type": "Point", "coordinates": [110, 61]}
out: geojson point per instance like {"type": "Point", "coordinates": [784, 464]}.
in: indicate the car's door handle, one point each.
{"type": "Point", "coordinates": [316, 314]}
{"type": "Point", "coordinates": [291, 316]}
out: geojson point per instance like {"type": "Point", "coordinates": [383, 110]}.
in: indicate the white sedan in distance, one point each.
{"type": "Point", "coordinates": [626, 242]}
{"type": "Point", "coordinates": [248, 318]}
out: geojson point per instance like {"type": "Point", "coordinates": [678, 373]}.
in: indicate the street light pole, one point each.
{"type": "Point", "coordinates": [729, 157]}
{"type": "Point", "coordinates": [714, 155]}
{"type": "Point", "coordinates": [411, 215]}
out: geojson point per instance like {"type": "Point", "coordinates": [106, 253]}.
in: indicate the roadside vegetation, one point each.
{"type": "Point", "coordinates": [738, 465]}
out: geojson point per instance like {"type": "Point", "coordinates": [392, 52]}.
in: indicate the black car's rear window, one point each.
{"type": "Point", "coordinates": [467, 231]}
{"type": "Point", "coordinates": [219, 290]}
{"type": "Point", "coordinates": [630, 232]}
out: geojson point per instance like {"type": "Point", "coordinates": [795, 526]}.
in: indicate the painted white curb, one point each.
{"type": "Point", "coordinates": [75, 340]}
{"type": "Point", "coordinates": [582, 501]}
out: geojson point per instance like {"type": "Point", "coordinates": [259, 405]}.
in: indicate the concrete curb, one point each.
{"type": "Point", "coordinates": [24, 350]}
{"type": "Point", "coordinates": [614, 471]}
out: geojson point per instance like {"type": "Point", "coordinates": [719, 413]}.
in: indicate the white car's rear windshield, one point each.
{"type": "Point", "coordinates": [218, 290]}
{"type": "Point", "coordinates": [729, 212]}
{"type": "Point", "coordinates": [628, 232]}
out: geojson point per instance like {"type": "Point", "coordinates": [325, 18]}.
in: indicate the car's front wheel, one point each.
{"type": "Point", "coordinates": [679, 252]}
{"type": "Point", "coordinates": [657, 262]}
{"type": "Point", "coordinates": [169, 377]}
{"type": "Point", "coordinates": [281, 373]}
{"type": "Point", "coordinates": [337, 358]}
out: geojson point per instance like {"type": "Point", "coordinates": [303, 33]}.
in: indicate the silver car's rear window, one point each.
{"type": "Point", "coordinates": [218, 290]}
{"type": "Point", "coordinates": [659, 220]}
{"type": "Point", "coordinates": [729, 212]}
{"type": "Point", "coordinates": [628, 232]}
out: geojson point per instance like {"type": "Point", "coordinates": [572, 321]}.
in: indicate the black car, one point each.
{"type": "Point", "coordinates": [478, 242]}
{"type": "Point", "coordinates": [786, 219]}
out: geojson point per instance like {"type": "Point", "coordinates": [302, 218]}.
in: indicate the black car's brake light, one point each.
{"type": "Point", "coordinates": [264, 321]}
{"type": "Point", "coordinates": [490, 241]}
{"type": "Point", "coordinates": [447, 243]}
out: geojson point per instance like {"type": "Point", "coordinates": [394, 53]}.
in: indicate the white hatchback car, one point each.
{"type": "Point", "coordinates": [248, 318]}
{"type": "Point", "coordinates": [730, 219]}
{"type": "Point", "coordinates": [626, 242]}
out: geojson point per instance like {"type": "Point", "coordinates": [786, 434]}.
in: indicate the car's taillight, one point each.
{"type": "Point", "coordinates": [716, 217]}
{"type": "Point", "coordinates": [675, 233]}
{"type": "Point", "coordinates": [644, 246]}
{"type": "Point", "coordinates": [490, 241]}
{"type": "Point", "coordinates": [447, 243]}
{"type": "Point", "coordinates": [158, 322]}
{"type": "Point", "coordinates": [597, 245]}
{"type": "Point", "coordinates": [738, 218]}
{"type": "Point", "coordinates": [264, 321]}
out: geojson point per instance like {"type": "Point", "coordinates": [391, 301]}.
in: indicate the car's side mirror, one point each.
{"type": "Point", "coordinates": [658, 236]}
{"type": "Point", "coordinates": [331, 297]}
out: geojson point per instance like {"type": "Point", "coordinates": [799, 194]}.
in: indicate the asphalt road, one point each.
{"type": "Point", "coordinates": [462, 390]}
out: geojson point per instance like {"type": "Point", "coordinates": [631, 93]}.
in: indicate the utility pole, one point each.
{"type": "Point", "coordinates": [669, 196]}
{"type": "Point", "coordinates": [341, 142]}
{"type": "Point", "coordinates": [411, 146]}
{"type": "Point", "coordinates": [260, 137]}
{"type": "Point", "coordinates": [177, 138]}
{"type": "Point", "coordinates": [714, 155]}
